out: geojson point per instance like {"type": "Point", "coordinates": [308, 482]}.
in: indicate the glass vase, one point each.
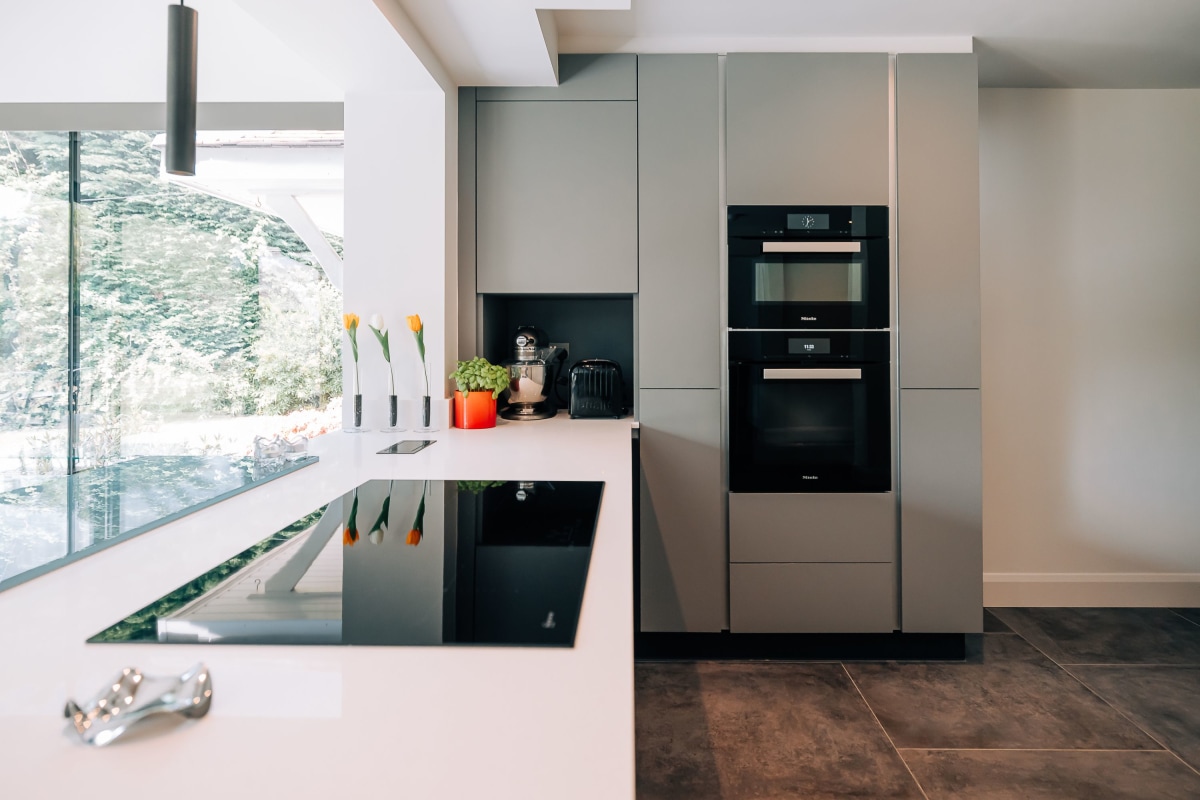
{"type": "Point", "coordinates": [394, 415]}
{"type": "Point", "coordinates": [426, 415]}
{"type": "Point", "coordinates": [357, 426]}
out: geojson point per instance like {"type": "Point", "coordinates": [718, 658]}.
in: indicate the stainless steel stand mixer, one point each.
{"type": "Point", "coordinates": [532, 375]}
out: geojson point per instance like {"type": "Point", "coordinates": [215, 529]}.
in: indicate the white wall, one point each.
{"type": "Point", "coordinates": [401, 230]}
{"type": "Point", "coordinates": [1090, 206]}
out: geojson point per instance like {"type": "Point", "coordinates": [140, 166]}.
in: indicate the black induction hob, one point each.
{"type": "Point", "coordinates": [418, 563]}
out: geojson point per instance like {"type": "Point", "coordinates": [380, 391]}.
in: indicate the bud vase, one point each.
{"type": "Point", "coordinates": [357, 420]}
{"type": "Point", "coordinates": [426, 415]}
{"type": "Point", "coordinates": [394, 415]}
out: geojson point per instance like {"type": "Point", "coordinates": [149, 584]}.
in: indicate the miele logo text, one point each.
{"type": "Point", "coordinates": [808, 319]}
{"type": "Point", "coordinates": [810, 477]}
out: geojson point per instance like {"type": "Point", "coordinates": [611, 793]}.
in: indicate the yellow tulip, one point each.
{"type": "Point", "coordinates": [414, 323]}
{"type": "Point", "coordinates": [350, 321]}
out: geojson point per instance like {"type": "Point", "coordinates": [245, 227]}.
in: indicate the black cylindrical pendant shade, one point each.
{"type": "Point", "coordinates": [181, 90]}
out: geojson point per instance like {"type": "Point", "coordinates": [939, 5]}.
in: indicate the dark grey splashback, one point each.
{"type": "Point", "coordinates": [594, 326]}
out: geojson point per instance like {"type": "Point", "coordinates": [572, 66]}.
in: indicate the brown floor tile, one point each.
{"type": "Point", "coordinates": [993, 624]}
{"type": "Point", "coordinates": [1192, 614]}
{"type": "Point", "coordinates": [1107, 635]}
{"type": "Point", "coordinates": [1052, 775]}
{"type": "Point", "coordinates": [1012, 697]}
{"type": "Point", "coordinates": [1163, 701]}
{"type": "Point", "coordinates": [755, 730]}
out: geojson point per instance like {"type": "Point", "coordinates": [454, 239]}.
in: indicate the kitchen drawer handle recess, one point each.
{"type": "Point", "coordinates": [812, 247]}
{"type": "Point", "coordinates": [812, 374]}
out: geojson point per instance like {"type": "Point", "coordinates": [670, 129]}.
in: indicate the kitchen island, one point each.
{"type": "Point", "coordinates": [314, 721]}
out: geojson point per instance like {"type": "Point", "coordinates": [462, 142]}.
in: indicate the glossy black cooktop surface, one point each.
{"type": "Point", "coordinates": [420, 563]}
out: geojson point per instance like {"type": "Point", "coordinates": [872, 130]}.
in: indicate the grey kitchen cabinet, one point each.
{"type": "Point", "coordinates": [812, 598]}
{"type": "Point", "coordinates": [606, 76]}
{"type": "Point", "coordinates": [807, 128]}
{"type": "Point", "coordinates": [678, 214]}
{"type": "Point", "coordinates": [556, 197]}
{"type": "Point", "coordinates": [683, 549]}
{"type": "Point", "coordinates": [812, 527]}
{"type": "Point", "coordinates": [941, 501]}
{"type": "Point", "coordinates": [937, 184]}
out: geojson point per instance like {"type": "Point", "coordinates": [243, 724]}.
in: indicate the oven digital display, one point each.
{"type": "Point", "coordinates": [808, 347]}
{"type": "Point", "coordinates": [808, 222]}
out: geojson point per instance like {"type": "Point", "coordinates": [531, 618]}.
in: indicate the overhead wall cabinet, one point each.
{"type": "Point", "coordinates": [807, 128]}
{"type": "Point", "coordinates": [557, 183]}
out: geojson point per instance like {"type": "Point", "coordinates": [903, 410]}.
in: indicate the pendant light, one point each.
{"type": "Point", "coordinates": [181, 90]}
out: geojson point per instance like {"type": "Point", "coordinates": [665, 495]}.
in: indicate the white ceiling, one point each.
{"type": "Point", "coordinates": [1044, 43]}
{"type": "Point", "coordinates": [115, 51]}
{"type": "Point", "coordinates": [82, 51]}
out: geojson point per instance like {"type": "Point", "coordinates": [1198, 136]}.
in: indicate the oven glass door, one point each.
{"type": "Point", "coordinates": [808, 284]}
{"type": "Point", "coordinates": [809, 428]}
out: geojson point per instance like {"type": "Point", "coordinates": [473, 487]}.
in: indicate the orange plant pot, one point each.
{"type": "Point", "coordinates": [474, 410]}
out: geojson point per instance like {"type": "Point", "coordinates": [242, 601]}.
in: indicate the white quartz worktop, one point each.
{"type": "Point", "coordinates": [301, 722]}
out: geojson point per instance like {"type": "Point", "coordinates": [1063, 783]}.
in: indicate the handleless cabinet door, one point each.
{"type": "Point", "coordinates": [941, 511]}
{"type": "Point", "coordinates": [937, 185]}
{"type": "Point", "coordinates": [683, 553]}
{"type": "Point", "coordinates": [679, 344]}
{"type": "Point", "coordinates": [807, 128]}
{"type": "Point", "coordinates": [556, 188]}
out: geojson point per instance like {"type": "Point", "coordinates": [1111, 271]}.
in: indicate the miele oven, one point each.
{"type": "Point", "coordinates": [809, 411]}
{"type": "Point", "coordinates": [816, 267]}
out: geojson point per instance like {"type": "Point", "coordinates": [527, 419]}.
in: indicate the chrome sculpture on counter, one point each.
{"type": "Point", "coordinates": [133, 697]}
{"type": "Point", "coordinates": [279, 447]}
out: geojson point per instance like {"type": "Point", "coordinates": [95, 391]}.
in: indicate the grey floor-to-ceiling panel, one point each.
{"type": "Point", "coordinates": [937, 160]}
{"type": "Point", "coordinates": [941, 511]}
{"type": "Point", "coordinates": [679, 250]}
{"type": "Point", "coordinates": [684, 558]}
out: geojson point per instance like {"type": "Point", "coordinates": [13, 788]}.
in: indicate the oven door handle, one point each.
{"type": "Point", "coordinates": [775, 374]}
{"type": "Point", "coordinates": [812, 247]}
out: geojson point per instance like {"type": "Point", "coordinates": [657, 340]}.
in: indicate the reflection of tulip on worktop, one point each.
{"type": "Point", "coordinates": [418, 528]}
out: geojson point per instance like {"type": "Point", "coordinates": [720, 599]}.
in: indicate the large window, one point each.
{"type": "Point", "coordinates": [202, 318]}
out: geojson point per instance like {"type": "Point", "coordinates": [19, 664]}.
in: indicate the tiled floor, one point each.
{"type": "Point", "coordinates": [1051, 703]}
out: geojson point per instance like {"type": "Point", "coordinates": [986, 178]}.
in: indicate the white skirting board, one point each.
{"type": "Point", "coordinates": [1092, 589]}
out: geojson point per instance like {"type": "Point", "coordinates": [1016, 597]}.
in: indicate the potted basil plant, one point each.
{"type": "Point", "coordinates": [479, 384]}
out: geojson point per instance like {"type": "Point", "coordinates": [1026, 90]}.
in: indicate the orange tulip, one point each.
{"type": "Point", "coordinates": [414, 323]}
{"type": "Point", "coordinates": [350, 321]}
{"type": "Point", "coordinates": [414, 537]}
{"type": "Point", "coordinates": [349, 537]}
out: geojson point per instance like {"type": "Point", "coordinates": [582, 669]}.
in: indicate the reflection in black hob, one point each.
{"type": "Point", "coordinates": [531, 555]}
{"type": "Point", "coordinates": [398, 563]}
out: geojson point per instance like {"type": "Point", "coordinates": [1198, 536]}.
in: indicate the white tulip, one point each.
{"type": "Point", "coordinates": [377, 323]}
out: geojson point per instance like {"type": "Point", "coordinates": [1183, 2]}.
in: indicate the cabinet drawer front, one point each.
{"type": "Point", "coordinates": [812, 598]}
{"type": "Point", "coordinates": [812, 527]}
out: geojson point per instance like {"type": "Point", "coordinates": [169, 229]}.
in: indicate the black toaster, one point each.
{"type": "Point", "coordinates": [596, 389]}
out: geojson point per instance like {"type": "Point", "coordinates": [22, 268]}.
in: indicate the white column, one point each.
{"type": "Point", "coordinates": [401, 210]}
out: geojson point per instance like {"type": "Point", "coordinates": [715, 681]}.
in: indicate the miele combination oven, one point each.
{"type": "Point", "coordinates": [809, 411]}
{"type": "Point", "coordinates": [817, 267]}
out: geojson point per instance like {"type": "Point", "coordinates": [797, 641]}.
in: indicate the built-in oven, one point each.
{"type": "Point", "coordinates": [810, 411]}
{"type": "Point", "coordinates": [808, 267]}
